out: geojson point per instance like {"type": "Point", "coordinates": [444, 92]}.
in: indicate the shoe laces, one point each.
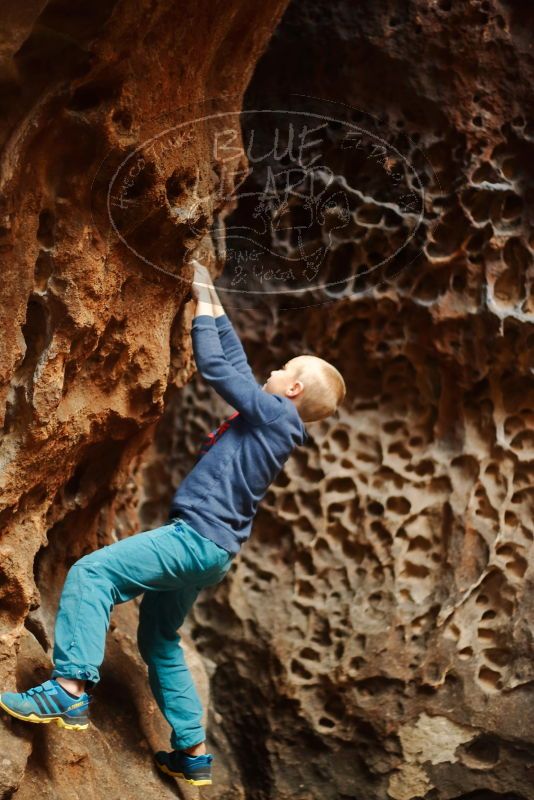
{"type": "Point", "coordinates": [208, 757]}
{"type": "Point", "coordinates": [34, 690]}
{"type": "Point", "coordinates": [40, 689]}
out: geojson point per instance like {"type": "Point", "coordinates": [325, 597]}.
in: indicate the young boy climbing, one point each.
{"type": "Point", "coordinates": [210, 518]}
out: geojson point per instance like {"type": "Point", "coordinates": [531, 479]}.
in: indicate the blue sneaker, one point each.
{"type": "Point", "coordinates": [193, 769]}
{"type": "Point", "coordinates": [48, 702]}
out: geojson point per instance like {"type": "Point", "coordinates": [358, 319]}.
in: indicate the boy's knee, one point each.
{"type": "Point", "coordinates": [153, 645]}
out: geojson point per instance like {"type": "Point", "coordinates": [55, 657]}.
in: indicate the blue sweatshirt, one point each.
{"type": "Point", "coordinates": [239, 460]}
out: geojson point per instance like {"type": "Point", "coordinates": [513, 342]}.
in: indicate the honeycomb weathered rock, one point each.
{"type": "Point", "coordinates": [374, 638]}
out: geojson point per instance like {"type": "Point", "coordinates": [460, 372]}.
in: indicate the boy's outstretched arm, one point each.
{"type": "Point", "coordinates": [238, 389]}
{"type": "Point", "coordinates": [231, 343]}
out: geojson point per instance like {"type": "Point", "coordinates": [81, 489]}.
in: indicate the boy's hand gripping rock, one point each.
{"type": "Point", "coordinates": [202, 282]}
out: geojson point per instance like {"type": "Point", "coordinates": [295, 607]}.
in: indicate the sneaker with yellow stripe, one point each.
{"type": "Point", "coordinates": [48, 702]}
{"type": "Point", "coordinates": [192, 769]}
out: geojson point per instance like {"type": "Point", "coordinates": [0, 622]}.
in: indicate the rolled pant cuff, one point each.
{"type": "Point", "coordinates": [78, 672]}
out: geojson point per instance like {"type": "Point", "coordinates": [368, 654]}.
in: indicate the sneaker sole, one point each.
{"type": "Point", "coordinates": [60, 722]}
{"type": "Point", "coordinates": [167, 771]}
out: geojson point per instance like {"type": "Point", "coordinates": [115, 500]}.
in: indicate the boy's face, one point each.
{"type": "Point", "coordinates": [280, 379]}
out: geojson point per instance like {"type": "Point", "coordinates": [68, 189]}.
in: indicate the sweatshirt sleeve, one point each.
{"type": "Point", "coordinates": [232, 347]}
{"type": "Point", "coordinates": [239, 390]}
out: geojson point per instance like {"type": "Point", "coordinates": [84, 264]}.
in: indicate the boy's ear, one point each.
{"type": "Point", "coordinates": [299, 383]}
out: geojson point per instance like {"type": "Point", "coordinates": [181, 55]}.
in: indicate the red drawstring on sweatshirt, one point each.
{"type": "Point", "coordinates": [212, 437]}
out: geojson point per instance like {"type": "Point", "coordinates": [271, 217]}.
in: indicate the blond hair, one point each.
{"type": "Point", "coordinates": [324, 387]}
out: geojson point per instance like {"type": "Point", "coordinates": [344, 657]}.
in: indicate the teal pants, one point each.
{"type": "Point", "coordinates": [170, 565]}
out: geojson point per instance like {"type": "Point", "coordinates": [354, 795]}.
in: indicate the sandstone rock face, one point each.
{"type": "Point", "coordinates": [92, 336]}
{"type": "Point", "coordinates": [374, 637]}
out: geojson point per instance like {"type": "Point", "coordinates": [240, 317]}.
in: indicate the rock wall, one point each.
{"type": "Point", "coordinates": [374, 637]}
{"type": "Point", "coordinates": [93, 337]}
